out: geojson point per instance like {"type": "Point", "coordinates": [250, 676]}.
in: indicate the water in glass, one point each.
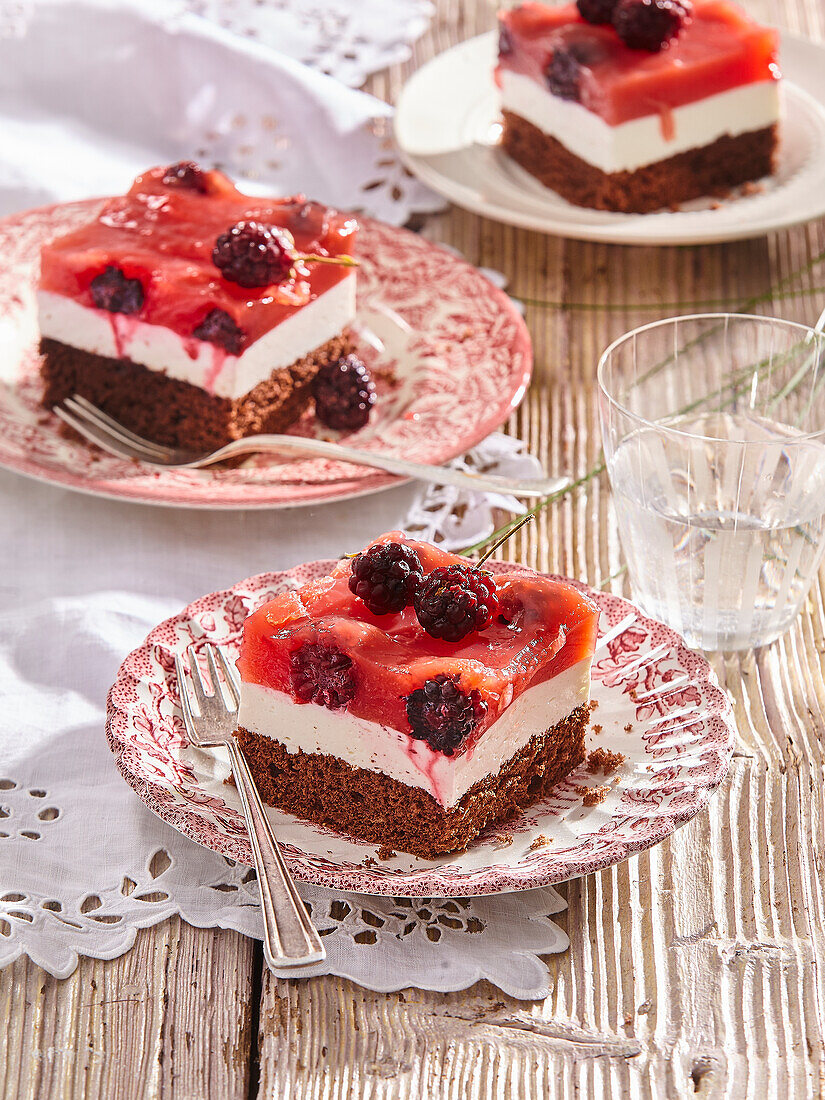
{"type": "Point", "coordinates": [721, 541]}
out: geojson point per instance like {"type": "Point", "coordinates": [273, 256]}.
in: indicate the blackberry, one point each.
{"type": "Point", "coordinates": [650, 24]}
{"type": "Point", "coordinates": [385, 577]}
{"type": "Point", "coordinates": [443, 715]}
{"type": "Point", "coordinates": [186, 174]}
{"type": "Point", "coordinates": [596, 11]}
{"type": "Point", "coordinates": [251, 254]}
{"type": "Point", "coordinates": [322, 674]}
{"type": "Point", "coordinates": [344, 394]}
{"type": "Point", "coordinates": [510, 610]}
{"type": "Point", "coordinates": [563, 71]}
{"type": "Point", "coordinates": [217, 327]}
{"type": "Point", "coordinates": [455, 600]}
{"type": "Point", "coordinates": [111, 290]}
{"type": "Point", "coordinates": [562, 74]}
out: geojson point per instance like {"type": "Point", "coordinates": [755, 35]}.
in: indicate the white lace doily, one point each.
{"type": "Point", "coordinates": [224, 99]}
{"type": "Point", "coordinates": [347, 39]}
{"type": "Point", "coordinates": [455, 518]}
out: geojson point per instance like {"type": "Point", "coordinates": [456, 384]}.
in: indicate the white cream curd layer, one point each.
{"type": "Point", "coordinates": [200, 363]}
{"type": "Point", "coordinates": [305, 727]}
{"type": "Point", "coordinates": [641, 141]}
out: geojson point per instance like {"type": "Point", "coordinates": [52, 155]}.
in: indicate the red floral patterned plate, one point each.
{"type": "Point", "coordinates": [456, 361]}
{"type": "Point", "coordinates": [658, 703]}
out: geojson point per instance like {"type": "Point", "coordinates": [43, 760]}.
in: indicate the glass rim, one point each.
{"type": "Point", "coordinates": [807, 330]}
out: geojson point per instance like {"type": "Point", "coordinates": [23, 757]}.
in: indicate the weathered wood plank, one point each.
{"type": "Point", "coordinates": [172, 1018]}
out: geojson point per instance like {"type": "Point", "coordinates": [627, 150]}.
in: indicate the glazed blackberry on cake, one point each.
{"type": "Point", "coordinates": [636, 105]}
{"type": "Point", "coordinates": [196, 315]}
{"type": "Point", "coordinates": [412, 700]}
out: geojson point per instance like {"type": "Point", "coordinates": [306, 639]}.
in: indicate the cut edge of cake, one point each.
{"type": "Point", "coordinates": [374, 807]}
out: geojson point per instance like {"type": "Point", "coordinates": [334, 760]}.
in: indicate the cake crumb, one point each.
{"type": "Point", "coordinates": [716, 205]}
{"type": "Point", "coordinates": [540, 841]}
{"type": "Point", "coordinates": [370, 862]}
{"type": "Point", "coordinates": [752, 188]}
{"type": "Point", "coordinates": [628, 727]}
{"type": "Point", "coordinates": [594, 704]}
{"type": "Point", "coordinates": [603, 760]}
{"type": "Point", "coordinates": [501, 840]}
{"type": "Point", "coordinates": [385, 852]}
{"type": "Point", "coordinates": [594, 795]}
{"type": "Point", "coordinates": [386, 375]}
{"type": "Point", "coordinates": [632, 694]}
{"type": "Point", "coordinates": [597, 729]}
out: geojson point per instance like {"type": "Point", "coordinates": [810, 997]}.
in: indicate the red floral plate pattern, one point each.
{"type": "Point", "coordinates": [658, 703]}
{"type": "Point", "coordinates": [456, 361]}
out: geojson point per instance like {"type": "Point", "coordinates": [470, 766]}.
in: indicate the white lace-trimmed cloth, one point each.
{"type": "Point", "coordinates": [83, 864]}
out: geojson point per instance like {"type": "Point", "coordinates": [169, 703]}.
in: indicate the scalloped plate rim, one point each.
{"type": "Point", "coordinates": [431, 882]}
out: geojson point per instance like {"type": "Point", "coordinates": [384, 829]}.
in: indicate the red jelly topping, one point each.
{"type": "Point", "coordinates": [721, 48]}
{"type": "Point", "coordinates": [551, 627]}
{"type": "Point", "coordinates": [163, 234]}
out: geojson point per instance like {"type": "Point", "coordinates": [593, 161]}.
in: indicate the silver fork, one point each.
{"type": "Point", "coordinates": [100, 428]}
{"type": "Point", "coordinates": [211, 720]}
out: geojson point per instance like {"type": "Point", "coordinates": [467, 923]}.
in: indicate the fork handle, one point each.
{"type": "Point", "coordinates": [437, 475]}
{"type": "Point", "coordinates": [289, 937]}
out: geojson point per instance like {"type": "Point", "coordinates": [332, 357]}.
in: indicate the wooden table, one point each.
{"type": "Point", "coordinates": [695, 968]}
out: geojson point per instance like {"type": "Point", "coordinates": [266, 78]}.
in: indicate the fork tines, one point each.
{"type": "Point", "coordinates": [101, 429]}
{"type": "Point", "coordinates": [208, 708]}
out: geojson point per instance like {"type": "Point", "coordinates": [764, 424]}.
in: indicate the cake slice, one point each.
{"type": "Point", "coordinates": [194, 314]}
{"type": "Point", "coordinates": [635, 105]}
{"type": "Point", "coordinates": [355, 715]}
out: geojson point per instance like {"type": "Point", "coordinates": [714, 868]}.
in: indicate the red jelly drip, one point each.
{"type": "Point", "coordinates": [721, 48]}
{"type": "Point", "coordinates": [163, 235]}
{"type": "Point", "coordinates": [192, 346]}
{"type": "Point", "coordinates": [215, 368]}
{"type": "Point", "coordinates": [123, 329]}
{"type": "Point", "coordinates": [554, 628]}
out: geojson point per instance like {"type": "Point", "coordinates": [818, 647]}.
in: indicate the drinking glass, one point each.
{"type": "Point", "coordinates": [714, 441]}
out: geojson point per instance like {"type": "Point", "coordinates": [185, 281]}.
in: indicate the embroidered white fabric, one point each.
{"type": "Point", "coordinates": [239, 102]}
{"type": "Point", "coordinates": [347, 39]}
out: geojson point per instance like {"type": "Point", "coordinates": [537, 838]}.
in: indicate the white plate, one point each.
{"type": "Point", "coordinates": [447, 126]}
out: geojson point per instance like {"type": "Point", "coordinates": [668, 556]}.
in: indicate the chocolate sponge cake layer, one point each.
{"type": "Point", "coordinates": [371, 806]}
{"type": "Point", "coordinates": [176, 413]}
{"type": "Point", "coordinates": [713, 169]}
